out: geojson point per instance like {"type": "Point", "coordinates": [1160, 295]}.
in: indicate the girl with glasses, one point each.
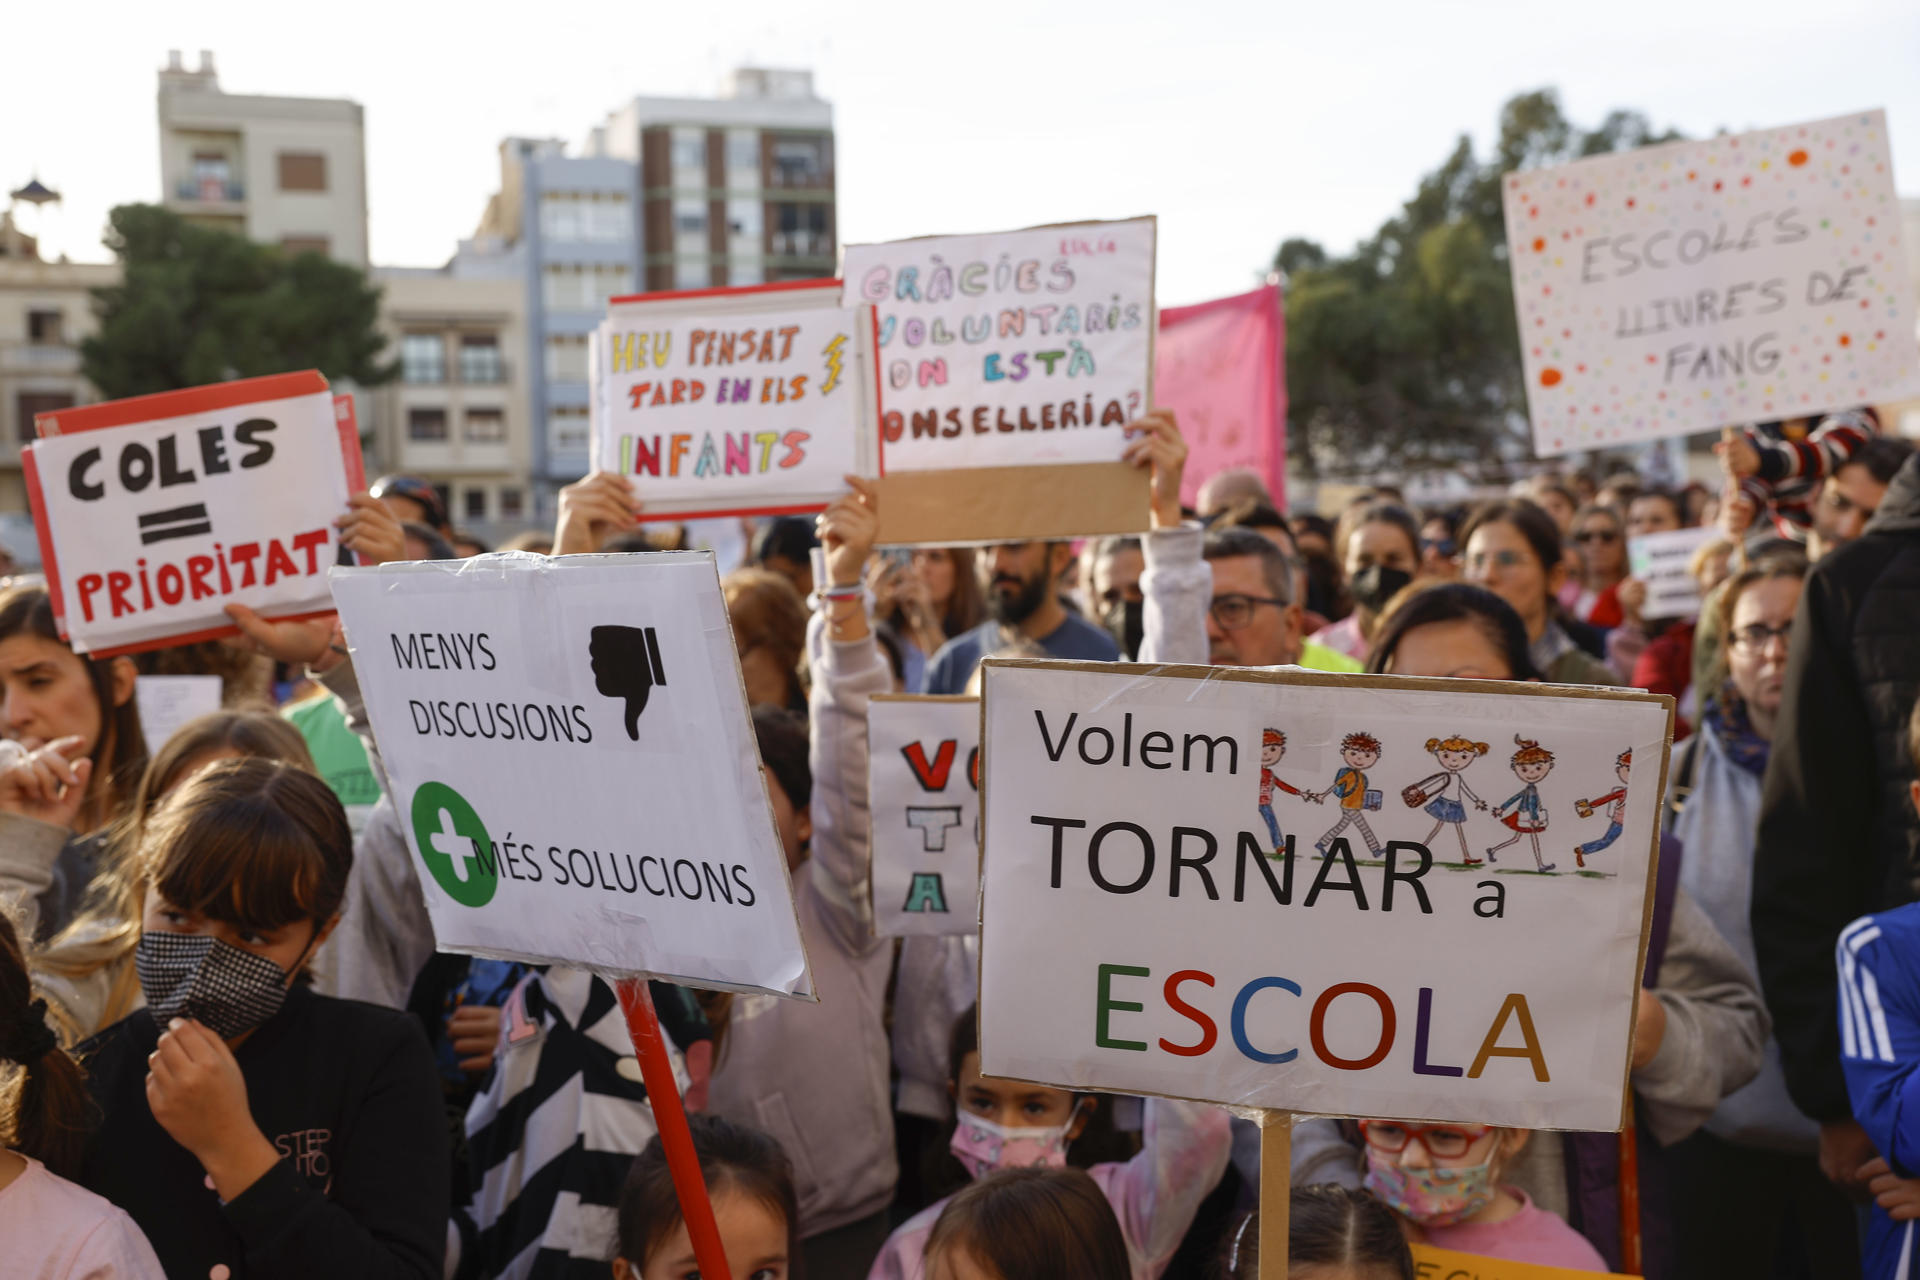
{"type": "Point", "coordinates": [1513, 550]}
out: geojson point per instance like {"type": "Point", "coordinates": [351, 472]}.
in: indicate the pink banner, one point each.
{"type": "Point", "coordinates": [1220, 367]}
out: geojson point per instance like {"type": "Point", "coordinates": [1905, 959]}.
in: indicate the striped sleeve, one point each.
{"type": "Point", "coordinates": [1824, 451]}
{"type": "Point", "coordinates": [1880, 1031]}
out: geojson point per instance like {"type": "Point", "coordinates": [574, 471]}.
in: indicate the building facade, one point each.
{"type": "Point", "coordinates": [285, 171]}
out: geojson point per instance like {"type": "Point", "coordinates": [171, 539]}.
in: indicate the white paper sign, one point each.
{"type": "Point", "coordinates": [198, 499]}
{"type": "Point", "coordinates": [752, 412]}
{"type": "Point", "coordinates": [167, 702]}
{"type": "Point", "coordinates": [1684, 287]}
{"type": "Point", "coordinates": [1664, 562]}
{"type": "Point", "coordinates": [1448, 959]}
{"type": "Point", "coordinates": [923, 791]}
{"type": "Point", "coordinates": [569, 747]}
{"type": "Point", "coordinates": [1011, 349]}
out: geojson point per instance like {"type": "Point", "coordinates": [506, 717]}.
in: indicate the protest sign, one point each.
{"type": "Point", "coordinates": [1006, 357]}
{"type": "Point", "coordinates": [923, 796]}
{"type": "Point", "coordinates": [1678, 288]}
{"type": "Point", "coordinates": [753, 401]}
{"type": "Point", "coordinates": [167, 702]}
{"type": "Point", "coordinates": [157, 512]}
{"type": "Point", "coordinates": [568, 742]}
{"type": "Point", "coordinates": [1664, 561]}
{"type": "Point", "coordinates": [1430, 1263]}
{"type": "Point", "coordinates": [1157, 915]}
{"type": "Point", "coordinates": [1220, 366]}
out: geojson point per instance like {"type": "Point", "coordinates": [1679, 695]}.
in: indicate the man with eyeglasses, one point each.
{"type": "Point", "coordinates": [1836, 834]}
{"type": "Point", "coordinates": [1254, 618]}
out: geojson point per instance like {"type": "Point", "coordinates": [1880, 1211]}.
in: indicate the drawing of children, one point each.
{"type": "Point", "coordinates": [1454, 755]}
{"type": "Point", "coordinates": [1360, 751]}
{"type": "Point", "coordinates": [1616, 816]}
{"type": "Point", "coordinates": [1273, 745]}
{"type": "Point", "coordinates": [1522, 811]}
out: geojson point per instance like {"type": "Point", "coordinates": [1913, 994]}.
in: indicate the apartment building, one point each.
{"type": "Point", "coordinates": [285, 171]}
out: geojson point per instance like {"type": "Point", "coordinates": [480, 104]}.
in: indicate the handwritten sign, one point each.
{"type": "Point", "coordinates": [923, 789]}
{"type": "Point", "coordinates": [167, 702]}
{"type": "Point", "coordinates": [1684, 287]}
{"type": "Point", "coordinates": [1664, 561]}
{"type": "Point", "coordinates": [735, 402]}
{"type": "Point", "coordinates": [1344, 895]}
{"type": "Point", "coordinates": [157, 512]}
{"type": "Point", "coordinates": [1008, 351]}
{"type": "Point", "coordinates": [568, 743]}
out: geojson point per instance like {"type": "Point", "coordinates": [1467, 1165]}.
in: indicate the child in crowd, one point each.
{"type": "Point", "coordinates": [248, 1125]}
{"type": "Point", "coordinates": [1028, 1224]}
{"type": "Point", "coordinates": [1333, 1233]}
{"type": "Point", "coordinates": [48, 1226]}
{"type": "Point", "coordinates": [750, 1182]}
{"type": "Point", "coordinates": [1004, 1125]}
{"type": "Point", "coordinates": [1445, 1180]}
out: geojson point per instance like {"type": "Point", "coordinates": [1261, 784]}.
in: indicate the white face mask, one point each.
{"type": "Point", "coordinates": [984, 1147]}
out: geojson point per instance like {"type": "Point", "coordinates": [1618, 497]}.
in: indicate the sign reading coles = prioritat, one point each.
{"type": "Point", "coordinates": [569, 742]}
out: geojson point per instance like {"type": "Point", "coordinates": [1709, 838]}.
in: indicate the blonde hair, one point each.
{"type": "Point", "coordinates": [1457, 743]}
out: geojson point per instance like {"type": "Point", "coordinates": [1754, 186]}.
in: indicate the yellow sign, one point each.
{"type": "Point", "coordinates": [1430, 1263]}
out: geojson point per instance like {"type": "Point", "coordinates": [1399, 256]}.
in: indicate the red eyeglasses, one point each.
{"type": "Point", "coordinates": [1442, 1141]}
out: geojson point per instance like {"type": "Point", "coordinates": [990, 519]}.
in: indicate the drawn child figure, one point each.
{"type": "Point", "coordinates": [1273, 745]}
{"type": "Point", "coordinates": [1454, 755]}
{"type": "Point", "coordinates": [1360, 751]}
{"type": "Point", "coordinates": [1616, 816]}
{"type": "Point", "coordinates": [1522, 811]}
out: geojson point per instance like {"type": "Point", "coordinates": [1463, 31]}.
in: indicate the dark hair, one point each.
{"type": "Point", "coordinates": [1253, 513]}
{"type": "Point", "coordinates": [1327, 1225]}
{"type": "Point", "coordinates": [1913, 737]}
{"type": "Point", "coordinates": [1667, 496]}
{"type": "Point", "coordinates": [438, 548]}
{"type": "Point", "coordinates": [1314, 522]}
{"type": "Point", "coordinates": [1099, 1142]}
{"type": "Point", "coordinates": [479, 545]}
{"type": "Point", "coordinates": [790, 537]}
{"type": "Point", "coordinates": [1356, 518]}
{"type": "Point", "coordinates": [1453, 602]}
{"type": "Point", "coordinates": [733, 1158]}
{"type": "Point", "coordinates": [245, 676]}
{"type": "Point", "coordinates": [45, 1110]}
{"type": "Point", "coordinates": [966, 606]}
{"type": "Point", "coordinates": [1448, 516]}
{"type": "Point", "coordinates": [782, 738]}
{"type": "Point", "coordinates": [1882, 456]}
{"type": "Point", "coordinates": [1533, 524]}
{"type": "Point", "coordinates": [417, 490]}
{"type": "Point", "coordinates": [1275, 566]}
{"type": "Point", "coordinates": [1035, 1224]}
{"type": "Point", "coordinates": [121, 753]}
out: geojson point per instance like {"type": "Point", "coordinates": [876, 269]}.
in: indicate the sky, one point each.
{"type": "Point", "coordinates": [1239, 124]}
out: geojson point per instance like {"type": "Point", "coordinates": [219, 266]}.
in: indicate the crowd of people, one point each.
{"type": "Point", "coordinates": [229, 1047]}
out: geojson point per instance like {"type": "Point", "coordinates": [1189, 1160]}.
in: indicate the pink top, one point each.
{"type": "Point", "coordinates": [57, 1231]}
{"type": "Point", "coordinates": [1155, 1194]}
{"type": "Point", "coordinates": [1532, 1235]}
{"type": "Point", "coordinates": [1344, 637]}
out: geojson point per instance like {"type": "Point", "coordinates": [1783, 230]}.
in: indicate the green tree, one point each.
{"type": "Point", "coordinates": [196, 305]}
{"type": "Point", "coordinates": [1404, 353]}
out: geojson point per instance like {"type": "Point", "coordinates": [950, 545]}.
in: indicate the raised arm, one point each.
{"type": "Point", "coordinates": [1177, 583]}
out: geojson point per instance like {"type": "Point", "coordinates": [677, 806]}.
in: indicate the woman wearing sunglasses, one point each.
{"type": "Point", "coordinates": [1445, 1179]}
{"type": "Point", "coordinates": [1599, 538]}
{"type": "Point", "coordinates": [1513, 550]}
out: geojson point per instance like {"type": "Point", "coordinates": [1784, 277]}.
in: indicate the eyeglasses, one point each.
{"type": "Point", "coordinates": [1503, 559]}
{"type": "Point", "coordinates": [1442, 1141]}
{"type": "Point", "coordinates": [1597, 535]}
{"type": "Point", "coordinates": [1235, 611]}
{"type": "Point", "coordinates": [1756, 635]}
{"type": "Point", "coordinates": [1439, 546]}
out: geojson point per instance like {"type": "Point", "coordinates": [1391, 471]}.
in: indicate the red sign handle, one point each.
{"type": "Point", "coordinates": [663, 1091]}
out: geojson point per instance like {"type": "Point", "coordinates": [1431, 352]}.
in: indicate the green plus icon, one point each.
{"type": "Point", "coordinates": [454, 844]}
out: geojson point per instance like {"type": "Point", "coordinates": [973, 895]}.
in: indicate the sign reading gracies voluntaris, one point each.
{"type": "Point", "coordinates": [569, 746]}
{"type": "Point", "coordinates": [1346, 895]}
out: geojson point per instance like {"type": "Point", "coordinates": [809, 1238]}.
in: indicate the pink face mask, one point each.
{"type": "Point", "coordinates": [984, 1147]}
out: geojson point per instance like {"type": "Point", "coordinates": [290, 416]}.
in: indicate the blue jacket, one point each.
{"type": "Point", "coordinates": [1879, 961]}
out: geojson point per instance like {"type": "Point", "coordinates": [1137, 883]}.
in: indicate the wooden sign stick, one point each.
{"type": "Point", "coordinates": [1276, 1189]}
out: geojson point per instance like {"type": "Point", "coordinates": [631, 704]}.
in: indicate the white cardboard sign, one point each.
{"type": "Point", "coordinates": [571, 755]}
{"type": "Point", "coordinates": [1664, 562]}
{"type": "Point", "coordinates": [923, 792]}
{"type": "Point", "coordinates": [1679, 288]}
{"type": "Point", "coordinates": [1011, 349]}
{"type": "Point", "coordinates": [156, 513]}
{"type": "Point", "coordinates": [167, 702]}
{"type": "Point", "coordinates": [1140, 935]}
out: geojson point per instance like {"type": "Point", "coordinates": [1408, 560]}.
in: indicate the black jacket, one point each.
{"type": "Point", "coordinates": [349, 1095]}
{"type": "Point", "coordinates": [1836, 836]}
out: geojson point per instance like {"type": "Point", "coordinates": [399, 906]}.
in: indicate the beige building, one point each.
{"type": "Point", "coordinates": [457, 416]}
{"type": "Point", "coordinates": [285, 171]}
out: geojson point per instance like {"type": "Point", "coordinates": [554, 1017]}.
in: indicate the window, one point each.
{"type": "Point", "coordinates": [31, 402]}
{"type": "Point", "coordinates": [302, 171]}
{"type": "Point", "coordinates": [294, 246]}
{"type": "Point", "coordinates": [744, 272]}
{"type": "Point", "coordinates": [212, 178]}
{"type": "Point", "coordinates": [690, 151]}
{"type": "Point", "coordinates": [512, 503]}
{"type": "Point", "coordinates": [743, 160]}
{"type": "Point", "coordinates": [567, 357]}
{"type": "Point", "coordinates": [486, 426]}
{"type": "Point", "coordinates": [46, 328]}
{"type": "Point", "coordinates": [690, 221]}
{"type": "Point", "coordinates": [799, 162]}
{"type": "Point", "coordinates": [568, 431]}
{"type": "Point", "coordinates": [602, 217]}
{"type": "Point", "coordinates": [480, 358]}
{"type": "Point", "coordinates": [474, 501]}
{"type": "Point", "coordinates": [423, 358]}
{"type": "Point", "coordinates": [426, 424]}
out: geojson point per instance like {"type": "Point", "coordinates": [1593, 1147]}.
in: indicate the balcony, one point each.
{"type": "Point", "coordinates": [791, 178]}
{"type": "Point", "coordinates": [39, 357]}
{"type": "Point", "coordinates": [209, 195]}
{"type": "Point", "coordinates": [801, 244]}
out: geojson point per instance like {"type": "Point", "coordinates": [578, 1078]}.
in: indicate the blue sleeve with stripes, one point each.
{"type": "Point", "coordinates": [1879, 962]}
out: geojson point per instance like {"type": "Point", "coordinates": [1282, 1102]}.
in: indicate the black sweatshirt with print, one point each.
{"type": "Point", "coordinates": [348, 1094]}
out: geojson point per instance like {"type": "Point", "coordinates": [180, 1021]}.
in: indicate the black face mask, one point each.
{"type": "Point", "coordinates": [1376, 584]}
{"type": "Point", "coordinates": [1126, 622]}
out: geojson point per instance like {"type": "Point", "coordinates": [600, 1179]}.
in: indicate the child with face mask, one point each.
{"type": "Point", "coordinates": [1008, 1125]}
{"type": "Point", "coordinates": [1445, 1179]}
{"type": "Point", "coordinates": [249, 1126]}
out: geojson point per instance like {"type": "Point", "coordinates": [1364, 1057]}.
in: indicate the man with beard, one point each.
{"type": "Point", "coordinates": [1021, 596]}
